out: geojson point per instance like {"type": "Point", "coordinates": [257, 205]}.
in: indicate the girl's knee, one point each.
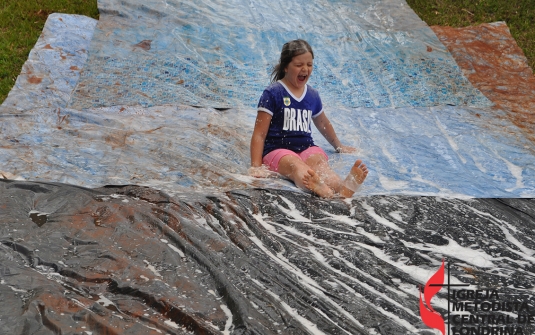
{"type": "Point", "coordinates": [317, 161]}
{"type": "Point", "coordinates": [290, 165]}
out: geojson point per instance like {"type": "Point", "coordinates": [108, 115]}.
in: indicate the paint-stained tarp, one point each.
{"type": "Point", "coordinates": [493, 62]}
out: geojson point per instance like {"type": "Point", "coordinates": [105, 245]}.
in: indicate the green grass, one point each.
{"type": "Point", "coordinates": [518, 14]}
{"type": "Point", "coordinates": [21, 23]}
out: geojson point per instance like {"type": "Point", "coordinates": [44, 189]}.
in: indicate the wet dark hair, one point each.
{"type": "Point", "coordinates": [289, 51]}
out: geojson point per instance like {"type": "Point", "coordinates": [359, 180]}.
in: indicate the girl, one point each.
{"type": "Point", "coordinates": [282, 140]}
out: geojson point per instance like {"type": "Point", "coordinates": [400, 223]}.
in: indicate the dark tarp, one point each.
{"type": "Point", "coordinates": [133, 260]}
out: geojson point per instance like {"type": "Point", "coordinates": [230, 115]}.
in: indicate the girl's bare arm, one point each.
{"type": "Point", "coordinates": [260, 131]}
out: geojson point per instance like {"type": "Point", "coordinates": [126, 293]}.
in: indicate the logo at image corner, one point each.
{"type": "Point", "coordinates": [430, 317]}
{"type": "Point", "coordinates": [480, 311]}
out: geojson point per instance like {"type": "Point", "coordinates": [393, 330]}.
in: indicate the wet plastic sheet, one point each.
{"type": "Point", "coordinates": [52, 70]}
{"type": "Point", "coordinates": [132, 260]}
{"type": "Point", "coordinates": [453, 151]}
{"type": "Point", "coordinates": [216, 53]}
{"type": "Point", "coordinates": [447, 151]}
{"type": "Point", "coordinates": [493, 62]}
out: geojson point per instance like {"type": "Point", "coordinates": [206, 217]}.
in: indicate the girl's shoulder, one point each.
{"type": "Point", "coordinates": [312, 91]}
{"type": "Point", "coordinates": [274, 87]}
{"type": "Point", "coordinates": [274, 90]}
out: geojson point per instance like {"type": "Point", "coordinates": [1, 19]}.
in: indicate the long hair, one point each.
{"type": "Point", "coordinates": [289, 51]}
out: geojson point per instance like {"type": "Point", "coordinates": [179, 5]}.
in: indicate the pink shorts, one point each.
{"type": "Point", "coordinates": [272, 159]}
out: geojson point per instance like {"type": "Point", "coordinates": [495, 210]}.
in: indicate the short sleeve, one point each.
{"type": "Point", "coordinates": [318, 104]}
{"type": "Point", "coordinates": [267, 102]}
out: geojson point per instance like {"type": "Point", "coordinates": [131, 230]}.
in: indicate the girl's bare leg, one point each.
{"type": "Point", "coordinates": [346, 187]}
{"type": "Point", "coordinates": [319, 164]}
{"type": "Point", "coordinates": [303, 176]}
{"type": "Point", "coordinates": [356, 176]}
{"type": "Point", "coordinates": [313, 182]}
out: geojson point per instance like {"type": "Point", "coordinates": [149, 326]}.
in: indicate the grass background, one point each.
{"type": "Point", "coordinates": [21, 23]}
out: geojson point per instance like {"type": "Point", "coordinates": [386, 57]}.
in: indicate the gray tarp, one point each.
{"type": "Point", "coordinates": [132, 260]}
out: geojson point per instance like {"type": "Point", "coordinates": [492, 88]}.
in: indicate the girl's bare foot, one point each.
{"type": "Point", "coordinates": [313, 182]}
{"type": "Point", "coordinates": [354, 179]}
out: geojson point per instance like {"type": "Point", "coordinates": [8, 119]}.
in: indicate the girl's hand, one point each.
{"type": "Point", "coordinates": [345, 149]}
{"type": "Point", "coordinates": [259, 171]}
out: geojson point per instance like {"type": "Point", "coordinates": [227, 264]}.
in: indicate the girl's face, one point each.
{"type": "Point", "coordinates": [298, 71]}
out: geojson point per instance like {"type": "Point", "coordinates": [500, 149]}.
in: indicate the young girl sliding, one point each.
{"type": "Point", "coordinates": [282, 140]}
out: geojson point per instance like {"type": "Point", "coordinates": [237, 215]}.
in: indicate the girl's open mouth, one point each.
{"type": "Point", "coordinates": [302, 77]}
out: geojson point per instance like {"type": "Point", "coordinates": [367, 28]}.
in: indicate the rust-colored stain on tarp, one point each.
{"type": "Point", "coordinates": [492, 61]}
{"type": "Point", "coordinates": [113, 257]}
{"type": "Point", "coordinates": [118, 139]}
{"type": "Point", "coordinates": [145, 45]}
{"type": "Point", "coordinates": [35, 80]}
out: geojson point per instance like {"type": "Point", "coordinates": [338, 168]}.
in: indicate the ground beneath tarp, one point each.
{"type": "Point", "coordinates": [133, 260]}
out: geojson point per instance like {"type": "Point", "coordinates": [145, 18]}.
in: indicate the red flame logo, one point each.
{"type": "Point", "coordinates": [429, 316]}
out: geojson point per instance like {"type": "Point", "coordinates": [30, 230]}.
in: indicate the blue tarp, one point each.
{"type": "Point", "coordinates": [219, 54]}
{"type": "Point", "coordinates": [427, 133]}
